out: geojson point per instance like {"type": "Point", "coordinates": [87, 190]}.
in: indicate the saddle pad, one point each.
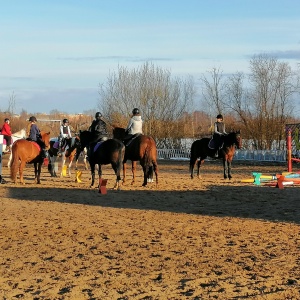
{"type": "Point", "coordinates": [211, 144]}
{"type": "Point", "coordinates": [56, 145]}
{"type": "Point", "coordinates": [98, 145]}
{"type": "Point", "coordinates": [36, 145]}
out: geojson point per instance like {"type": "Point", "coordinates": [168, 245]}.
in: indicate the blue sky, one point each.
{"type": "Point", "coordinates": [55, 53]}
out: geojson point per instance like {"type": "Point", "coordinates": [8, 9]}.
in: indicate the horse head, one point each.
{"type": "Point", "coordinates": [119, 133]}
{"type": "Point", "coordinates": [235, 138]}
{"type": "Point", "coordinates": [46, 139]}
{"type": "Point", "coordinates": [84, 138]}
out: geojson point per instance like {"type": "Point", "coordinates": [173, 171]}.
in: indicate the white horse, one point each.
{"type": "Point", "coordinates": [21, 134]}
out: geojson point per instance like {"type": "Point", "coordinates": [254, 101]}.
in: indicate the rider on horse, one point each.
{"type": "Point", "coordinates": [34, 134]}
{"type": "Point", "coordinates": [219, 132]}
{"type": "Point", "coordinates": [64, 133]}
{"type": "Point", "coordinates": [135, 125]}
{"type": "Point", "coordinates": [99, 131]}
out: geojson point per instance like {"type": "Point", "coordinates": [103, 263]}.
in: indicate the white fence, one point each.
{"type": "Point", "coordinates": [256, 155]}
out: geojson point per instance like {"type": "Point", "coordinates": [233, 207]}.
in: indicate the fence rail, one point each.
{"type": "Point", "coordinates": [256, 155]}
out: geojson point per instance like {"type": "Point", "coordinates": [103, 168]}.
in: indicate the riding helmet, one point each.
{"type": "Point", "coordinates": [65, 121]}
{"type": "Point", "coordinates": [98, 115]}
{"type": "Point", "coordinates": [219, 117]}
{"type": "Point", "coordinates": [32, 119]}
{"type": "Point", "coordinates": [135, 111]}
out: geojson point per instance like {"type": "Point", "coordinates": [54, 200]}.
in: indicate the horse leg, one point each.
{"type": "Point", "coordinates": [145, 171]}
{"type": "Point", "coordinates": [124, 172]}
{"type": "Point", "coordinates": [155, 169]}
{"type": "Point", "coordinates": [133, 169]}
{"type": "Point", "coordinates": [93, 174]}
{"type": "Point", "coordinates": [225, 167]}
{"type": "Point", "coordinates": [99, 173]}
{"type": "Point", "coordinates": [39, 170]}
{"type": "Point", "coordinates": [9, 160]}
{"type": "Point", "coordinates": [21, 169]}
{"type": "Point", "coordinates": [229, 169]}
{"type": "Point", "coordinates": [199, 163]}
{"type": "Point", "coordinates": [192, 165]}
{"type": "Point", "coordinates": [117, 168]}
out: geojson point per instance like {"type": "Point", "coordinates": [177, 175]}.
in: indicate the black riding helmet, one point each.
{"type": "Point", "coordinates": [219, 117]}
{"type": "Point", "coordinates": [32, 119]}
{"type": "Point", "coordinates": [65, 121]}
{"type": "Point", "coordinates": [135, 111]}
{"type": "Point", "coordinates": [98, 115]}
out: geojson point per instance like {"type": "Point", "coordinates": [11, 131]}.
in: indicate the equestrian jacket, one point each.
{"type": "Point", "coordinates": [98, 128]}
{"type": "Point", "coordinates": [34, 133]}
{"type": "Point", "coordinates": [135, 125]}
{"type": "Point", "coordinates": [219, 128]}
{"type": "Point", "coordinates": [65, 131]}
{"type": "Point", "coordinates": [6, 129]}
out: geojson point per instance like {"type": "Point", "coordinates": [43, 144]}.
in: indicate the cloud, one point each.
{"type": "Point", "coordinates": [118, 58]}
{"type": "Point", "coordinates": [288, 54]}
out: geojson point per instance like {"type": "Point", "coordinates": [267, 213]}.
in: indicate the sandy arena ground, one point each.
{"type": "Point", "coordinates": [185, 239]}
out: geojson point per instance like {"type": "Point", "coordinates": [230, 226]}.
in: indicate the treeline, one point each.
{"type": "Point", "coordinates": [260, 103]}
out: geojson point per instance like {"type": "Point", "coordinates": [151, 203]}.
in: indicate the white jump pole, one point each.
{"type": "Point", "coordinates": [1, 156]}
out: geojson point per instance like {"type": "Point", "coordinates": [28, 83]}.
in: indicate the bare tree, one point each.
{"type": "Point", "coordinates": [161, 98]}
{"type": "Point", "coordinates": [213, 91]}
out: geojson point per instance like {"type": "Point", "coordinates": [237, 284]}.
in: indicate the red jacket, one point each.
{"type": "Point", "coordinates": [6, 130]}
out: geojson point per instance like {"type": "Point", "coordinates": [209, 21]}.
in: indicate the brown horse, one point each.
{"type": "Point", "coordinates": [24, 151]}
{"type": "Point", "coordinates": [200, 150]}
{"type": "Point", "coordinates": [140, 148]}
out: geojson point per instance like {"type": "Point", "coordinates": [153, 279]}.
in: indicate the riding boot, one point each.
{"type": "Point", "coordinates": [217, 154]}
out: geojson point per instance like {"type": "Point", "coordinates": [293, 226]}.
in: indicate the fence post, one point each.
{"type": "Point", "coordinates": [289, 149]}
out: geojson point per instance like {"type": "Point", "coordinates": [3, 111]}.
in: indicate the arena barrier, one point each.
{"type": "Point", "coordinates": [251, 155]}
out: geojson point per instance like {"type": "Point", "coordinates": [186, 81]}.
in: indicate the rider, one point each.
{"type": "Point", "coordinates": [34, 134]}
{"type": "Point", "coordinates": [64, 133]}
{"type": "Point", "coordinates": [6, 132]}
{"type": "Point", "coordinates": [219, 132]}
{"type": "Point", "coordinates": [135, 125]}
{"type": "Point", "coordinates": [98, 131]}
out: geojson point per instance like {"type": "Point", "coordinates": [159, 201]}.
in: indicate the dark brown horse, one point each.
{"type": "Point", "coordinates": [140, 148]}
{"type": "Point", "coordinates": [200, 150]}
{"type": "Point", "coordinates": [111, 151]}
{"type": "Point", "coordinates": [23, 152]}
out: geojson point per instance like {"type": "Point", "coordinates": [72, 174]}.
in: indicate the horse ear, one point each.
{"type": "Point", "coordinates": [48, 132]}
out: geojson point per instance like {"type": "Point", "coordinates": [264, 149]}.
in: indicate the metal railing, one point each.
{"type": "Point", "coordinates": [256, 155]}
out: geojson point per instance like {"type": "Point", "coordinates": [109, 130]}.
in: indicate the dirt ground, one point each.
{"type": "Point", "coordinates": [185, 239]}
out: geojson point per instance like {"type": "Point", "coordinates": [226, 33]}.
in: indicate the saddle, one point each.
{"type": "Point", "coordinates": [213, 145]}
{"type": "Point", "coordinates": [127, 142]}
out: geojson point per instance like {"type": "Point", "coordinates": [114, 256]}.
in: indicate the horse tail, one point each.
{"type": "Point", "coordinates": [14, 165]}
{"type": "Point", "coordinates": [149, 158]}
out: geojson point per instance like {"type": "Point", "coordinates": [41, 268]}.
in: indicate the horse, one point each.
{"type": "Point", "coordinates": [21, 134]}
{"type": "Point", "coordinates": [72, 143]}
{"type": "Point", "coordinates": [24, 151]}
{"type": "Point", "coordinates": [140, 148]}
{"type": "Point", "coordinates": [200, 150]}
{"type": "Point", "coordinates": [111, 151]}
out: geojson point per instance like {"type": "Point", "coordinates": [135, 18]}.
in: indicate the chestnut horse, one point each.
{"type": "Point", "coordinates": [140, 148]}
{"type": "Point", "coordinates": [200, 150]}
{"type": "Point", "coordinates": [24, 151]}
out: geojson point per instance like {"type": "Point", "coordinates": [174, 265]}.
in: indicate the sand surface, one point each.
{"type": "Point", "coordinates": [183, 239]}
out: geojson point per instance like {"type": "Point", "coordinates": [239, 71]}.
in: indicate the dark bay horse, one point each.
{"type": "Point", "coordinates": [111, 151]}
{"type": "Point", "coordinates": [71, 146]}
{"type": "Point", "coordinates": [200, 150]}
{"type": "Point", "coordinates": [141, 148]}
{"type": "Point", "coordinates": [24, 151]}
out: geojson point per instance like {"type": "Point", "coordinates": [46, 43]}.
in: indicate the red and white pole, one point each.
{"type": "Point", "coordinates": [289, 149]}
